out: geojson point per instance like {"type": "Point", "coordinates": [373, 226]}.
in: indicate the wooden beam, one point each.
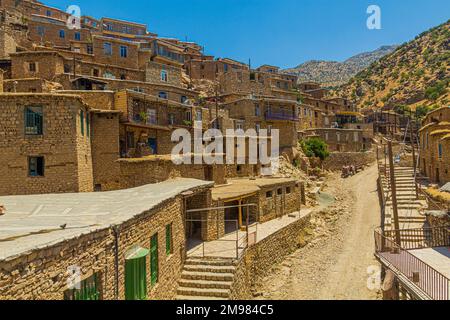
{"type": "Point", "coordinates": [394, 194]}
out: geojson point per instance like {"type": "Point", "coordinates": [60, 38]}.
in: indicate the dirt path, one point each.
{"type": "Point", "coordinates": [335, 264]}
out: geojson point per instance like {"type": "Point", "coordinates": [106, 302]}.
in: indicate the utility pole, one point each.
{"type": "Point", "coordinates": [394, 195]}
{"type": "Point", "coordinates": [412, 136]}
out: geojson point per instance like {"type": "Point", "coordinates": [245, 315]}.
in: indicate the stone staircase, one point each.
{"type": "Point", "coordinates": [206, 279]}
{"type": "Point", "coordinates": [408, 206]}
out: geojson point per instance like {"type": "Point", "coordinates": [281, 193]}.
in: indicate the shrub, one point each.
{"type": "Point", "coordinates": [315, 147]}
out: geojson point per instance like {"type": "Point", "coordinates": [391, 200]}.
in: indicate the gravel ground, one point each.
{"type": "Point", "coordinates": [334, 265]}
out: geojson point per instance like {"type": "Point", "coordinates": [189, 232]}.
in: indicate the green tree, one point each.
{"type": "Point", "coordinates": [315, 147]}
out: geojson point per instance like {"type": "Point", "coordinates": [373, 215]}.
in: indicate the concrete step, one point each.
{"type": "Point", "coordinates": [211, 276]}
{"type": "Point", "coordinates": [210, 262]}
{"type": "Point", "coordinates": [210, 268]}
{"type": "Point", "coordinates": [200, 292]}
{"type": "Point", "coordinates": [205, 284]}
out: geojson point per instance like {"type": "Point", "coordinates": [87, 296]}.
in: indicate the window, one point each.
{"type": "Point", "coordinates": [123, 51]}
{"type": "Point", "coordinates": [36, 166]}
{"type": "Point", "coordinates": [169, 239]}
{"type": "Point", "coordinates": [130, 139]}
{"type": "Point", "coordinates": [88, 289]}
{"type": "Point", "coordinates": [90, 49]}
{"type": "Point", "coordinates": [154, 259]}
{"type": "Point", "coordinates": [199, 115]}
{"type": "Point", "coordinates": [62, 34]}
{"type": "Point", "coordinates": [440, 150]}
{"type": "Point", "coordinates": [41, 31]}
{"type": "Point", "coordinates": [66, 68]}
{"type": "Point", "coordinates": [163, 95]}
{"type": "Point", "coordinates": [280, 191]}
{"type": "Point", "coordinates": [183, 99]}
{"type": "Point", "coordinates": [239, 125]}
{"type": "Point", "coordinates": [151, 116]}
{"type": "Point", "coordinates": [288, 190]}
{"type": "Point", "coordinates": [48, 13]}
{"type": "Point", "coordinates": [82, 122]}
{"type": "Point", "coordinates": [95, 72]}
{"type": "Point", "coordinates": [171, 118]}
{"type": "Point", "coordinates": [109, 27]}
{"type": "Point", "coordinates": [269, 194]}
{"type": "Point", "coordinates": [77, 36]}
{"type": "Point", "coordinates": [88, 124]}
{"type": "Point", "coordinates": [32, 67]}
{"type": "Point", "coordinates": [33, 121]}
{"type": "Point", "coordinates": [257, 110]}
{"type": "Point", "coordinates": [107, 48]}
{"type": "Point", "coordinates": [188, 116]}
{"type": "Point", "coordinates": [164, 76]}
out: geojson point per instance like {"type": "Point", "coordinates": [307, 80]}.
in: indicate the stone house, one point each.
{"type": "Point", "coordinates": [45, 143]}
{"type": "Point", "coordinates": [340, 140]}
{"type": "Point", "coordinates": [120, 245]}
{"type": "Point", "coordinates": [434, 150]}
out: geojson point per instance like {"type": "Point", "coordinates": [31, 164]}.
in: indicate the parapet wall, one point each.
{"type": "Point", "coordinates": [260, 258]}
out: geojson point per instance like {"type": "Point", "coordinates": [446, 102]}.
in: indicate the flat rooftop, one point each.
{"type": "Point", "coordinates": [34, 221]}
{"type": "Point", "coordinates": [245, 187]}
{"type": "Point", "coordinates": [437, 258]}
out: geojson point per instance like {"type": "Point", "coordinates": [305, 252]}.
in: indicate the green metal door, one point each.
{"type": "Point", "coordinates": [154, 259]}
{"type": "Point", "coordinates": [136, 276]}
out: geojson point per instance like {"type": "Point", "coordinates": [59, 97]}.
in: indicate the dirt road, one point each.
{"type": "Point", "coordinates": [335, 264]}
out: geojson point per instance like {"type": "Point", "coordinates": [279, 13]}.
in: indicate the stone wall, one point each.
{"type": "Point", "coordinates": [105, 151]}
{"type": "Point", "coordinates": [153, 73]}
{"type": "Point", "coordinates": [339, 159]}
{"type": "Point", "coordinates": [67, 157]}
{"type": "Point", "coordinates": [260, 258]}
{"type": "Point", "coordinates": [43, 273]}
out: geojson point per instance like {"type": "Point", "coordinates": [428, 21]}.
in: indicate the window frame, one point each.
{"type": "Point", "coordinates": [40, 127]}
{"type": "Point", "coordinates": [42, 171]}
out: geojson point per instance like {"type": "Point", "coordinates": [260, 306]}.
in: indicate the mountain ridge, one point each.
{"type": "Point", "coordinates": [335, 73]}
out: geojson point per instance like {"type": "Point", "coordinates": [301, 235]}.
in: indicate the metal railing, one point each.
{"type": "Point", "coordinates": [433, 283]}
{"type": "Point", "coordinates": [223, 245]}
{"type": "Point", "coordinates": [281, 116]}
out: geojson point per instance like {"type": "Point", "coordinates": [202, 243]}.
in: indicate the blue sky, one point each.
{"type": "Point", "coordinates": [284, 33]}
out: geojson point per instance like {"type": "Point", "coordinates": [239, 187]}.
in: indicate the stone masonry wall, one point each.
{"type": "Point", "coordinates": [260, 258]}
{"type": "Point", "coordinates": [337, 160]}
{"type": "Point", "coordinates": [60, 145]}
{"type": "Point", "coordinates": [43, 273]}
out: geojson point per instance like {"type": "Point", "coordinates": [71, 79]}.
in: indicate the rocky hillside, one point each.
{"type": "Point", "coordinates": [333, 73]}
{"type": "Point", "coordinates": [416, 74]}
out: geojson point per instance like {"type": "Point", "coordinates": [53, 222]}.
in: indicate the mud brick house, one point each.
{"type": "Point", "coordinates": [266, 199]}
{"type": "Point", "coordinates": [128, 244]}
{"type": "Point", "coordinates": [435, 146]}
{"type": "Point", "coordinates": [153, 119]}
{"type": "Point", "coordinates": [208, 68]}
{"type": "Point", "coordinates": [267, 113]}
{"type": "Point", "coordinates": [340, 140]}
{"type": "Point", "coordinates": [45, 143]}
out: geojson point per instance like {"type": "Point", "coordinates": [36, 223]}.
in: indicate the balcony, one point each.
{"type": "Point", "coordinates": [419, 258]}
{"type": "Point", "coordinates": [273, 116]}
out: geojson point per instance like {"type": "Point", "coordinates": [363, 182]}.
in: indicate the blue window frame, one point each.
{"type": "Point", "coordinates": [107, 48]}
{"type": "Point", "coordinates": [77, 36]}
{"type": "Point", "coordinates": [163, 95]}
{"type": "Point", "coordinates": [123, 51]}
{"type": "Point", "coordinates": [33, 120]}
{"type": "Point", "coordinates": [440, 151]}
{"type": "Point", "coordinates": [62, 34]}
